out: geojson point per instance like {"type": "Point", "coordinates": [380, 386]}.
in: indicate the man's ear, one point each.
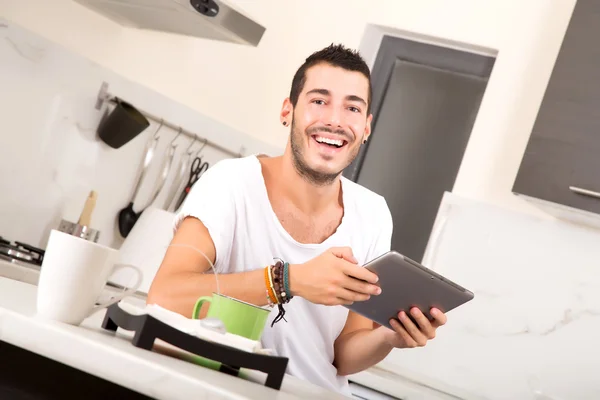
{"type": "Point", "coordinates": [286, 113]}
{"type": "Point", "coordinates": [367, 132]}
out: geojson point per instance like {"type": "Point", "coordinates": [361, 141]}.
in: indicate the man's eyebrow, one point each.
{"type": "Point", "coordinates": [326, 92]}
{"type": "Point", "coordinates": [353, 97]}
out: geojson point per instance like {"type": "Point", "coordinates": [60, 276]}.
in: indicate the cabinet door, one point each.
{"type": "Point", "coordinates": [564, 148]}
{"type": "Point", "coordinates": [552, 170]}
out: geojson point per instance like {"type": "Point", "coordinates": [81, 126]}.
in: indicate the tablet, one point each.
{"type": "Point", "coordinates": [405, 284]}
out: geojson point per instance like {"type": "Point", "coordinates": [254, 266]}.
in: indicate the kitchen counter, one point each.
{"type": "Point", "coordinates": [385, 378]}
{"type": "Point", "coordinates": [108, 355]}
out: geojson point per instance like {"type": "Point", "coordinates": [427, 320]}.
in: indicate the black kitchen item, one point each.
{"type": "Point", "coordinates": [123, 124]}
{"type": "Point", "coordinates": [196, 170]}
{"type": "Point", "coordinates": [147, 329]}
{"type": "Point", "coordinates": [127, 216]}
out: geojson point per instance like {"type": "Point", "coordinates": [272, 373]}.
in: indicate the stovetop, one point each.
{"type": "Point", "coordinates": [20, 253]}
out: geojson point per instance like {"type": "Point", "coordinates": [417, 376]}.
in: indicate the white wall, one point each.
{"type": "Point", "coordinates": [50, 156]}
{"type": "Point", "coordinates": [247, 85]}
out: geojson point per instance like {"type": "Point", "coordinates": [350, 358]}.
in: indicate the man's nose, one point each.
{"type": "Point", "coordinates": [333, 117]}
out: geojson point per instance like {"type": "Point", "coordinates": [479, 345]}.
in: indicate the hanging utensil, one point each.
{"type": "Point", "coordinates": [179, 179]}
{"type": "Point", "coordinates": [197, 169]}
{"type": "Point", "coordinates": [167, 164]}
{"type": "Point", "coordinates": [128, 216]}
{"type": "Point", "coordinates": [173, 205]}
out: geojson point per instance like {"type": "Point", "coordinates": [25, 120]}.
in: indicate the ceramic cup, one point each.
{"type": "Point", "coordinates": [240, 318]}
{"type": "Point", "coordinates": [73, 274]}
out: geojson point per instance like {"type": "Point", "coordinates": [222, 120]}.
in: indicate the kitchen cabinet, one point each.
{"type": "Point", "coordinates": [561, 164]}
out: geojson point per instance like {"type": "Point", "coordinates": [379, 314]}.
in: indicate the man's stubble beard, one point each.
{"type": "Point", "coordinates": [316, 178]}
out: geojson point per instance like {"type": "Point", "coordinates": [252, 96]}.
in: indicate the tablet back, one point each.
{"type": "Point", "coordinates": [405, 284]}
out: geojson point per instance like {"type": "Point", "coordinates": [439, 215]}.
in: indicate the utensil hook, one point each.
{"type": "Point", "coordinates": [175, 138]}
{"type": "Point", "coordinates": [189, 149]}
{"type": "Point", "coordinates": [158, 129]}
{"type": "Point", "coordinates": [200, 149]}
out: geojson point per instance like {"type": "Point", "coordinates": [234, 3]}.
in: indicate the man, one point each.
{"type": "Point", "coordinates": [244, 213]}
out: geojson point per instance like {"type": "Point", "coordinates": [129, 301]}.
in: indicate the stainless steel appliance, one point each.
{"type": "Point", "coordinates": [20, 253]}
{"type": "Point", "coordinates": [208, 19]}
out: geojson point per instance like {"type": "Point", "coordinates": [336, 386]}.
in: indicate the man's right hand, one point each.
{"type": "Point", "coordinates": [333, 278]}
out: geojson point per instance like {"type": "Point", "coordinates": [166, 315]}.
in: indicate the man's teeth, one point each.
{"type": "Point", "coordinates": [335, 142]}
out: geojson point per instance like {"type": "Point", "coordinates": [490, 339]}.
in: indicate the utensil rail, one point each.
{"type": "Point", "coordinates": [103, 96]}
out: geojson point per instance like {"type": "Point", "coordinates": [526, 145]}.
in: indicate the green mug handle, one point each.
{"type": "Point", "coordinates": [198, 305]}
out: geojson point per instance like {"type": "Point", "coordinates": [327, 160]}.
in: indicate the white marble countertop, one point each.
{"type": "Point", "coordinates": [385, 378]}
{"type": "Point", "coordinates": [108, 355]}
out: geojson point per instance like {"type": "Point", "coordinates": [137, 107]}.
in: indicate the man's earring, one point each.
{"type": "Point", "coordinates": [364, 141]}
{"type": "Point", "coordinates": [284, 123]}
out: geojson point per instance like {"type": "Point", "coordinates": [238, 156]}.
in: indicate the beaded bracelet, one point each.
{"type": "Point", "coordinates": [278, 287]}
{"type": "Point", "coordinates": [281, 286]}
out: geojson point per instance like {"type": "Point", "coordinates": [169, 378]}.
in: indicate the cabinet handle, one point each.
{"type": "Point", "coordinates": [585, 192]}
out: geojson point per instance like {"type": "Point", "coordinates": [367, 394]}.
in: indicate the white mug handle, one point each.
{"type": "Point", "coordinates": [124, 294]}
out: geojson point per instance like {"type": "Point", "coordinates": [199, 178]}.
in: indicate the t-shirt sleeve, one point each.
{"type": "Point", "coordinates": [383, 231]}
{"type": "Point", "coordinates": [212, 200]}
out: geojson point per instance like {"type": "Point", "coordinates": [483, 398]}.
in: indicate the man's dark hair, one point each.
{"type": "Point", "coordinates": [336, 55]}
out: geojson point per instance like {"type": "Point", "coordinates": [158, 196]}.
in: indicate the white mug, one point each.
{"type": "Point", "coordinates": [74, 271]}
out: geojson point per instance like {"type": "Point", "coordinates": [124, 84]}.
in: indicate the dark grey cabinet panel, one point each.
{"type": "Point", "coordinates": [551, 168]}
{"type": "Point", "coordinates": [564, 148]}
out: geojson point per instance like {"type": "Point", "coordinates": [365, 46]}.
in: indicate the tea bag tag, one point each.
{"type": "Point", "coordinates": [213, 324]}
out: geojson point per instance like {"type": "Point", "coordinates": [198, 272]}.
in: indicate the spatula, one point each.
{"type": "Point", "coordinates": [82, 228]}
{"type": "Point", "coordinates": [85, 218]}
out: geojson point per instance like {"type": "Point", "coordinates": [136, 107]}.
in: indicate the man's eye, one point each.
{"type": "Point", "coordinates": [318, 102]}
{"type": "Point", "coordinates": [354, 109]}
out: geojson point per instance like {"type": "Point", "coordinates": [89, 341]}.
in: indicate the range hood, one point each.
{"type": "Point", "coordinates": [209, 19]}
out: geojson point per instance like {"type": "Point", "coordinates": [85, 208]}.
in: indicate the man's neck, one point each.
{"type": "Point", "coordinates": [305, 195]}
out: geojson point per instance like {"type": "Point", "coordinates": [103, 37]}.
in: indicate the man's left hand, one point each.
{"type": "Point", "coordinates": [407, 334]}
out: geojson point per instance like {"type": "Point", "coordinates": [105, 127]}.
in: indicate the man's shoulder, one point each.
{"type": "Point", "coordinates": [368, 203]}
{"type": "Point", "coordinates": [233, 165]}
{"type": "Point", "coordinates": [226, 177]}
{"type": "Point", "coordinates": [229, 169]}
{"type": "Point", "coordinates": [361, 195]}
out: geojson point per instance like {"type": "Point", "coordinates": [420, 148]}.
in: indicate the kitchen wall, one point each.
{"type": "Point", "coordinates": [50, 156]}
{"type": "Point", "coordinates": [533, 323]}
{"type": "Point", "coordinates": [244, 87]}
{"type": "Point", "coordinates": [534, 278]}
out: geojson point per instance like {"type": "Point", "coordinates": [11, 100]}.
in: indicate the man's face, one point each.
{"type": "Point", "coordinates": [329, 122]}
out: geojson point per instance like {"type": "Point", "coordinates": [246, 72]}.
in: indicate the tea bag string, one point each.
{"type": "Point", "coordinates": [189, 246]}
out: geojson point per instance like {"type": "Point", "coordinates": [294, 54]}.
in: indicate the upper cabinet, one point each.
{"type": "Point", "coordinates": [562, 160]}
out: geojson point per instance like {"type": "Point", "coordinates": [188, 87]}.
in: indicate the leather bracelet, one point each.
{"type": "Point", "coordinates": [281, 288]}
{"type": "Point", "coordinates": [269, 285]}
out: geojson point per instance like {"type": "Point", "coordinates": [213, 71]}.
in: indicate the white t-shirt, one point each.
{"type": "Point", "coordinates": [231, 200]}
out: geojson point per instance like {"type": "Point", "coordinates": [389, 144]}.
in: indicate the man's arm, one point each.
{"type": "Point", "coordinates": [363, 343]}
{"type": "Point", "coordinates": [359, 346]}
{"type": "Point", "coordinates": [181, 280]}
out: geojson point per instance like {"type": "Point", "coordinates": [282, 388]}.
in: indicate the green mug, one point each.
{"type": "Point", "coordinates": [240, 318]}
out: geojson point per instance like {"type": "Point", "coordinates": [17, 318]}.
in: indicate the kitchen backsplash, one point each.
{"type": "Point", "coordinates": [50, 155]}
{"type": "Point", "coordinates": [534, 321]}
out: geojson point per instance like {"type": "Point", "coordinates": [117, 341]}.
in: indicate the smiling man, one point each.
{"type": "Point", "coordinates": [298, 208]}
